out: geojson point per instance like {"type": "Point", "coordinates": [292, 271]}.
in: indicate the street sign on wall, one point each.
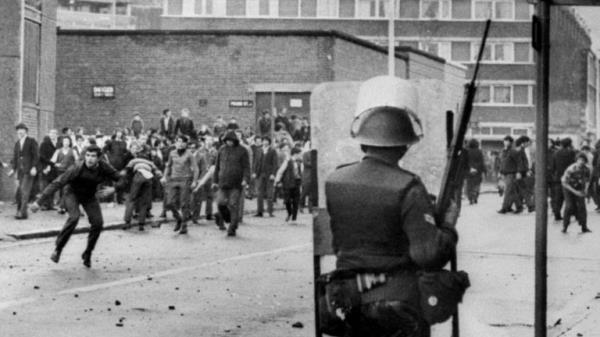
{"type": "Point", "coordinates": [241, 104]}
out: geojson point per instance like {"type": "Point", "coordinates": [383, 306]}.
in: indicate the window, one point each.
{"type": "Point", "coordinates": [461, 51]}
{"type": "Point", "coordinates": [487, 52]}
{"type": "Point", "coordinates": [31, 61]}
{"type": "Point", "coordinates": [288, 8]}
{"type": "Point", "coordinates": [367, 8]}
{"type": "Point", "coordinates": [203, 7]}
{"type": "Point", "coordinates": [502, 52]}
{"type": "Point", "coordinates": [483, 94]}
{"type": "Point", "coordinates": [591, 66]}
{"type": "Point", "coordinates": [174, 7]}
{"type": "Point", "coordinates": [430, 47]}
{"type": "Point", "coordinates": [263, 8]}
{"type": "Point", "coordinates": [346, 8]}
{"type": "Point", "coordinates": [325, 8]}
{"type": "Point", "coordinates": [505, 94]}
{"type": "Point", "coordinates": [523, 10]}
{"type": "Point", "coordinates": [522, 52]}
{"type": "Point", "coordinates": [236, 8]}
{"type": "Point", "coordinates": [521, 94]}
{"type": "Point", "coordinates": [494, 9]}
{"type": "Point", "coordinates": [435, 9]}
{"type": "Point", "coordinates": [411, 44]}
{"type": "Point", "coordinates": [461, 9]}
{"type": "Point", "coordinates": [408, 9]}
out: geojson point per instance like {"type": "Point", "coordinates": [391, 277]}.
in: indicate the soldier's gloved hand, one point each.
{"type": "Point", "coordinates": [451, 214]}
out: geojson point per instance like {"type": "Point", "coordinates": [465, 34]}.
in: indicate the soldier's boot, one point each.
{"type": "Point", "coordinates": [585, 229]}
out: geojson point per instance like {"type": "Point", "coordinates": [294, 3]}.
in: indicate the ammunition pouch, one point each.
{"type": "Point", "coordinates": [346, 299]}
{"type": "Point", "coordinates": [441, 291]}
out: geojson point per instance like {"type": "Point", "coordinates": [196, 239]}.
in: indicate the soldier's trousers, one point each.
{"type": "Point", "coordinates": [575, 206]}
{"type": "Point", "coordinates": [139, 198]}
{"type": "Point", "coordinates": [511, 193]}
{"type": "Point", "coordinates": [265, 189]}
{"type": "Point", "coordinates": [178, 195]}
{"type": "Point", "coordinates": [94, 214]}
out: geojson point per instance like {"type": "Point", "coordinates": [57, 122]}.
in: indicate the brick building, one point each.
{"type": "Point", "coordinates": [214, 73]}
{"type": "Point", "coordinates": [27, 69]}
{"type": "Point", "coordinates": [452, 30]}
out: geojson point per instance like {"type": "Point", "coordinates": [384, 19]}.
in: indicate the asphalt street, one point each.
{"type": "Point", "coordinates": [158, 283]}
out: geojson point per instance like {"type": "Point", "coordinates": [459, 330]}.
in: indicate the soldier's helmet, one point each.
{"type": "Point", "coordinates": [386, 113]}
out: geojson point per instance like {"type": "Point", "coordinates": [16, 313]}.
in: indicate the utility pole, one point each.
{"type": "Point", "coordinates": [391, 42]}
{"type": "Point", "coordinates": [541, 43]}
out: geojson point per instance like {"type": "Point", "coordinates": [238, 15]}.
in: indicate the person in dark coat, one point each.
{"type": "Point", "coordinates": [80, 183]}
{"type": "Point", "coordinates": [524, 187]}
{"type": "Point", "coordinates": [167, 125]}
{"type": "Point", "coordinates": [563, 158]}
{"type": "Point", "coordinates": [24, 163]}
{"type": "Point", "coordinates": [265, 168]}
{"type": "Point", "coordinates": [47, 167]}
{"type": "Point", "coordinates": [264, 124]}
{"type": "Point", "coordinates": [575, 182]}
{"type": "Point", "coordinates": [476, 170]}
{"type": "Point", "coordinates": [118, 156]}
{"type": "Point", "coordinates": [137, 125]}
{"type": "Point", "coordinates": [232, 173]}
{"type": "Point", "coordinates": [233, 124]}
{"type": "Point", "coordinates": [595, 184]}
{"type": "Point", "coordinates": [289, 176]}
{"type": "Point", "coordinates": [185, 126]}
{"type": "Point", "coordinates": [510, 164]}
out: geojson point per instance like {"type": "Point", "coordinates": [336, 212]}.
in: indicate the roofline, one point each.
{"type": "Point", "coordinates": [401, 52]}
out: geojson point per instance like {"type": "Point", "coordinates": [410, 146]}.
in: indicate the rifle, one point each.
{"type": "Point", "coordinates": [457, 158]}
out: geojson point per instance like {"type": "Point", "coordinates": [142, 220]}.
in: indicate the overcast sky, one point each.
{"type": "Point", "coordinates": [591, 16]}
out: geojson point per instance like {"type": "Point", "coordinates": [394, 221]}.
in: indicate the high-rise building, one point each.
{"type": "Point", "coordinates": [450, 29]}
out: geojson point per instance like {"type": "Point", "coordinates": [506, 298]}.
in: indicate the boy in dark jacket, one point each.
{"type": "Point", "coordinates": [232, 173]}
{"type": "Point", "coordinates": [575, 182]}
{"type": "Point", "coordinates": [289, 176]}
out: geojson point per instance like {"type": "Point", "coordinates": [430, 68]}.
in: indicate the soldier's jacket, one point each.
{"type": "Point", "coordinates": [382, 219]}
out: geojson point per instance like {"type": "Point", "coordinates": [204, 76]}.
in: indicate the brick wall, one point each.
{"type": "Point", "coordinates": [10, 65]}
{"type": "Point", "coordinates": [152, 71]}
{"type": "Point", "coordinates": [156, 71]}
{"type": "Point", "coordinates": [355, 63]}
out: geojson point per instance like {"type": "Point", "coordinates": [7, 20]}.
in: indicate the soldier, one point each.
{"type": "Point", "coordinates": [80, 183]}
{"type": "Point", "coordinates": [382, 220]}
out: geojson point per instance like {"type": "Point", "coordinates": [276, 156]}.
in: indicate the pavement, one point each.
{"type": "Point", "coordinates": [49, 223]}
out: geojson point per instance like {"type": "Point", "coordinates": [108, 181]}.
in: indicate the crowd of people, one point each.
{"type": "Point", "coordinates": [573, 178]}
{"type": "Point", "coordinates": [187, 168]}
